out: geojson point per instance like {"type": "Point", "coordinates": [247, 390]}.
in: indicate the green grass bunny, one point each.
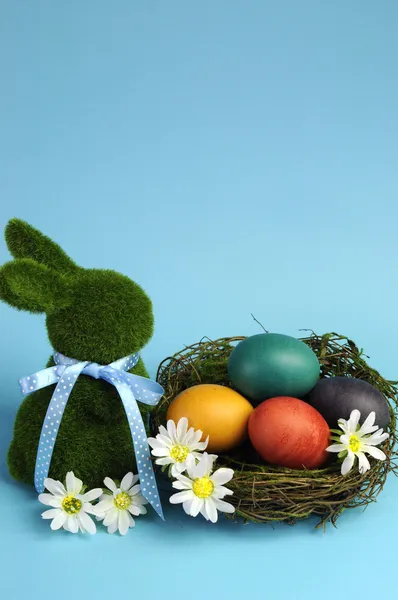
{"type": "Point", "coordinates": [91, 315]}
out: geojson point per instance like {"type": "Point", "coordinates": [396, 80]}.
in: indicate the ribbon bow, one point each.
{"type": "Point", "coordinates": [130, 387]}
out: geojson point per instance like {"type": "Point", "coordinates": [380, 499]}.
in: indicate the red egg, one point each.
{"type": "Point", "coordinates": [290, 433]}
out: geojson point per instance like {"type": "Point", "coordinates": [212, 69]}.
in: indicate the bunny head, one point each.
{"type": "Point", "coordinates": [91, 314]}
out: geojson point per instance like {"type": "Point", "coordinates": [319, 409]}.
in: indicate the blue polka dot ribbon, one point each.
{"type": "Point", "coordinates": [130, 387]}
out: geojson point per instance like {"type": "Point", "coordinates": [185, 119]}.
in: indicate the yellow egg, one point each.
{"type": "Point", "coordinates": [221, 413]}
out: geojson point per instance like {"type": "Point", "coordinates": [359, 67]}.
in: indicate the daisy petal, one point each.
{"type": "Point", "coordinates": [113, 527]}
{"type": "Point", "coordinates": [187, 506]}
{"type": "Point", "coordinates": [368, 425]}
{"type": "Point", "coordinates": [336, 448]}
{"type": "Point", "coordinates": [81, 528]}
{"type": "Point", "coordinates": [164, 461]}
{"type": "Point", "coordinates": [198, 436]}
{"type": "Point", "coordinates": [190, 460]}
{"type": "Point", "coordinates": [191, 469]}
{"type": "Point", "coordinates": [163, 433]}
{"type": "Point", "coordinates": [201, 445]}
{"type": "Point", "coordinates": [211, 510]}
{"type": "Point", "coordinates": [50, 500]}
{"type": "Point", "coordinates": [376, 439]}
{"type": "Point", "coordinates": [111, 516]}
{"type": "Point", "coordinates": [55, 487]}
{"type": "Point", "coordinates": [203, 511]}
{"type": "Point", "coordinates": [182, 428]}
{"type": "Point", "coordinates": [224, 506]}
{"type": "Point", "coordinates": [197, 504]}
{"type": "Point", "coordinates": [363, 463]}
{"type": "Point", "coordinates": [375, 452]}
{"type": "Point", "coordinates": [353, 421]}
{"type": "Point", "coordinates": [161, 451]}
{"type": "Point", "coordinates": [210, 458]}
{"type": "Point", "coordinates": [204, 466]}
{"type": "Point", "coordinates": [58, 521]}
{"type": "Point", "coordinates": [124, 522]}
{"type": "Point", "coordinates": [65, 525]}
{"type": "Point", "coordinates": [72, 524]}
{"type": "Point", "coordinates": [87, 522]}
{"type": "Point", "coordinates": [50, 514]}
{"type": "Point", "coordinates": [142, 509]}
{"type": "Point", "coordinates": [155, 443]}
{"type": "Point", "coordinates": [73, 484]}
{"type": "Point", "coordinates": [348, 463]}
{"type": "Point", "coordinates": [110, 484]}
{"type": "Point", "coordinates": [134, 510]}
{"type": "Point", "coordinates": [343, 424]}
{"type": "Point", "coordinates": [136, 489]}
{"type": "Point", "coordinates": [369, 421]}
{"type": "Point", "coordinates": [104, 505]}
{"type": "Point", "coordinates": [185, 481]}
{"type": "Point", "coordinates": [190, 436]}
{"type": "Point", "coordinates": [367, 430]}
{"type": "Point", "coordinates": [138, 499]}
{"type": "Point", "coordinates": [220, 491]}
{"type": "Point", "coordinates": [91, 495]}
{"type": "Point", "coordinates": [222, 476]}
{"type": "Point", "coordinates": [131, 520]}
{"type": "Point", "coordinates": [181, 497]}
{"type": "Point", "coordinates": [90, 508]}
{"type": "Point", "coordinates": [135, 479]}
{"type": "Point", "coordinates": [176, 469]}
{"type": "Point", "coordinates": [171, 430]}
{"type": "Point", "coordinates": [165, 439]}
{"type": "Point", "coordinates": [127, 482]}
{"type": "Point", "coordinates": [179, 485]}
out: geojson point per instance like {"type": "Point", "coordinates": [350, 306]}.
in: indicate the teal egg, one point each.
{"type": "Point", "coordinates": [271, 364]}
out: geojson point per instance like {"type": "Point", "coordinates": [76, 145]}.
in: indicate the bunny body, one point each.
{"type": "Point", "coordinates": [91, 315]}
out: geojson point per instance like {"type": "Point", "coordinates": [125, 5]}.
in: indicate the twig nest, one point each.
{"type": "Point", "coordinates": [265, 492]}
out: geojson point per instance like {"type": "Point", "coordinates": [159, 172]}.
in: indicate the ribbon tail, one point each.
{"type": "Point", "coordinates": [149, 488]}
{"type": "Point", "coordinates": [52, 422]}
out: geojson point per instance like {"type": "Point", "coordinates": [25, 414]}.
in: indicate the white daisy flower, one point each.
{"type": "Point", "coordinates": [178, 446]}
{"type": "Point", "coordinates": [116, 509]}
{"type": "Point", "coordinates": [203, 490]}
{"type": "Point", "coordinates": [71, 508]}
{"type": "Point", "coordinates": [358, 441]}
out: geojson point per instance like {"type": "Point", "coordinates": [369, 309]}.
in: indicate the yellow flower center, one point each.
{"type": "Point", "coordinates": [354, 443]}
{"type": "Point", "coordinates": [122, 501]}
{"type": "Point", "coordinates": [71, 505]}
{"type": "Point", "coordinates": [179, 453]}
{"type": "Point", "coordinates": [203, 487]}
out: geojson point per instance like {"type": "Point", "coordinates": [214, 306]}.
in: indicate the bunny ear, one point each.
{"type": "Point", "coordinates": [24, 241]}
{"type": "Point", "coordinates": [30, 286]}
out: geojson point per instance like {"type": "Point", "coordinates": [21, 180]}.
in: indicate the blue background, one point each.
{"type": "Point", "coordinates": [233, 157]}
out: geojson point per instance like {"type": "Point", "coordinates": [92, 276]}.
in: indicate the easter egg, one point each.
{"type": "Point", "coordinates": [336, 397]}
{"type": "Point", "coordinates": [290, 433]}
{"type": "Point", "coordinates": [271, 364]}
{"type": "Point", "coordinates": [221, 413]}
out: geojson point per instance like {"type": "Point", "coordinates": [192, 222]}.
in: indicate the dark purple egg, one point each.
{"type": "Point", "coordinates": [336, 397]}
